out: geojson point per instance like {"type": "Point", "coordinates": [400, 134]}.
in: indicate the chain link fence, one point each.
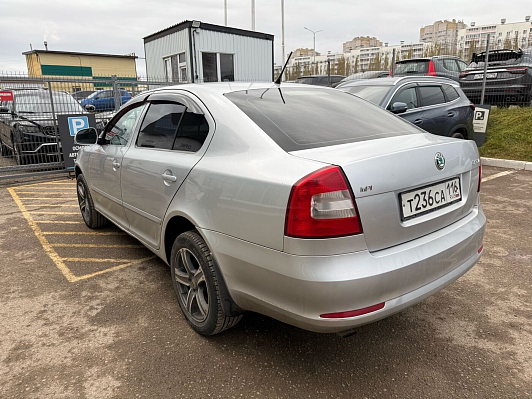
{"type": "Point", "coordinates": [30, 106]}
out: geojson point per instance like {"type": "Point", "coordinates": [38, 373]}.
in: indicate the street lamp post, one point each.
{"type": "Point", "coordinates": [314, 33]}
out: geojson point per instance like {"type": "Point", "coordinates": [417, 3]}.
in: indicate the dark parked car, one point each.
{"type": "Point", "coordinates": [436, 105]}
{"type": "Point", "coordinates": [104, 100]}
{"type": "Point", "coordinates": [27, 127]}
{"type": "Point", "coordinates": [320, 80]}
{"type": "Point", "coordinates": [508, 77]}
{"type": "Point", "coordinates": [80, 95]}
{"type": "Point", "coordinates": [444, 66]}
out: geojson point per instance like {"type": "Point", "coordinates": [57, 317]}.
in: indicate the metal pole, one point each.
{"type": "Point", "coordinates": [56, 129]}
{"type": "Point", "coordinates": [485, 70]}
{"type": "Point", "coordinates": [393, 62]}
{"type": "Point", "coordinates": [116, 92]}
{"type": "Point", "coordinates": [253, 15]}
{"type": "Point", "coordinates": [329, 70]}
{"type": "Point", "coordinates": [282, 30]}
{"type": "Point", "coordinates": [225, 12]}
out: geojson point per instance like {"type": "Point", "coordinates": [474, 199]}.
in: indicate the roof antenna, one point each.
{"type": "Point", "coordinates": [278, 80]}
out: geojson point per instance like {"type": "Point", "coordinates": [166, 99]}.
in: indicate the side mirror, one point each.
{"type": "Point", "coordinates": [4, 110]}
{"type": "Point", "coordinates": [399, 108]}
{"type": "Point", "coordinates": [86, 136]}
{"type": "Point", "coordinates": [90, 107]}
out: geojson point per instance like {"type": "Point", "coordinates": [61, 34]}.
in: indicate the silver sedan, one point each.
{"type": "Point", "coordinates": [302, 203]}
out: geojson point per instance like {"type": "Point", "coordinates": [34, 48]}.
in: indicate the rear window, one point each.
{"type": "Point", "coordinates": [307, 81]}
{"type": "Point", "coordinates": [303, 118]}
{"type": "Point", "coordinates": [414, 67]}
{"type": "Point", "coordinates": [450, 92]}
{"type": "Point", "coordinates": [373, 94]}
{"type": "Point", "coordinates": [431, 95]}
{"type": "Point", "coordinates": [501, 57]}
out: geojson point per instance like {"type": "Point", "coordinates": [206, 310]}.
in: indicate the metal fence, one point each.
{"type": "Point", "coordinates": [30, 106]}
{"type": "Point", "coordinates": [505, 80]}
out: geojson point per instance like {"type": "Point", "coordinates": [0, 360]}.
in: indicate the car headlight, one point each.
{"type": "Point", "coordinates": [28, 128]}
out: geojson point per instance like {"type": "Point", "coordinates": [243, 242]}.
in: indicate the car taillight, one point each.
{"type": "Point", "coordinates": [462, 75]}
{"type": "Point", "coordinates": [517, 70]}
{"type": "Point", "coordinates": [432, 69]}
{"type": "Point", "coordinates": [479, 177]}
{"type": "Point", "coordinates": [321, 206]}
{"type": "Point", "coordinates": [472, 106]}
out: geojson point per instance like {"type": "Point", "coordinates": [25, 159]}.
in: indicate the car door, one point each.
{"type": "Point", "coordinates": [168, 145]}
{"type": "Point", "coordinates": [408, 95]}
{"type": "Point", "coordinates": [105, 164]}
{"type": "Point", "coordinates": [432, 100]}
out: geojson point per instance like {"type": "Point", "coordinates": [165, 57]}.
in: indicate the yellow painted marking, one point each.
{"type": "Point", "coordinates": [95, 260]}
{"type": "Point", "coordinates": [501, 174]}
{"type": "Point", "coordinates": [58, 260]}
{"type": "Point", "coordinates": [72, 183]}
{"type": "Point", "coordinates": [47, 192]}
{"type": "Point", "coordinates": [112, 269]}
{"type": "Point", "coordinates": [48, 205]}
{"type": "Point", "coordinates": [58, 222]}
{"type": "Point", "coordinates": [50, 198]}
{"type": "Point", "coordinates": [53, 213]}
{"type": "Point", "coordinates": [44, 242]}
{"type": "Point", "coordinates": [85, 233]}
{"type": "Point", "coordinates": [96, 246]}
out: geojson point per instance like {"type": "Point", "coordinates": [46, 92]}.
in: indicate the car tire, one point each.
{"type": "Point", "coordinates": [457, 136]}
{"type": "Point", "coordinates": [195, 282]}
{"type": "Point", "coordinates": [3, 148]}
{"type": "Point", "coordinates": [20, 159]}
{"type": "Point", "coordinates": [92, 218]}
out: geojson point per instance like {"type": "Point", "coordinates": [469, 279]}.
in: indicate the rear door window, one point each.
{"type": "Point", "coordinates": [451, 65]}
{"type": "Point", "coordinates": [450, 92]}
{"type": "Point", "coordinates": [160, 124]}
{"type": "Point", "coordinates": [431, 95]}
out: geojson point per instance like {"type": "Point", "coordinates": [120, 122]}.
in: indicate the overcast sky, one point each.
{"type": "Point", "coordinates": [118, 26]}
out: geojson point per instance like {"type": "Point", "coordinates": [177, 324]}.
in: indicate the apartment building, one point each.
{"type": "Point", "coordinates": [504, 35]}
{"type": "Point", "coordinates": [303, 52]}
{"type": "Point", "coordinates": [441, 32]}
{"type": "Point", "coordinates": [361, 42]}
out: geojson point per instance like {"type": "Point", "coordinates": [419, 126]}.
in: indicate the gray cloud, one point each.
{"type": "Point", "coordinates": [118, 26]}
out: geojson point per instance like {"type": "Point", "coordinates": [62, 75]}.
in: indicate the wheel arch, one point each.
{"type": "Point", "coordinates": [178, 224]}
{"type": "Point", "coordinates": [462, 129]}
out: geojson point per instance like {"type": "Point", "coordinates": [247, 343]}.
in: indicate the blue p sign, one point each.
{"type": "Point", "coordinates": [77, 123]}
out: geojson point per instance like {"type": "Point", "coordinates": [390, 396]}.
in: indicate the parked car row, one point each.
{"type": "Point", "coordinates": [303, 203]}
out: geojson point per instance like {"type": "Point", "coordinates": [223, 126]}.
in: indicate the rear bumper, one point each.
{"type": "Point", "coordinates": [498, 93]}
{"type": "Point", "coordinates": [298, 289]}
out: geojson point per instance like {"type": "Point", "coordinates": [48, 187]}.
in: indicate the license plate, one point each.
{"type": "Point", "coordinates": [488, 75]}
{"type": "Point", "coordinates": [430, 198]}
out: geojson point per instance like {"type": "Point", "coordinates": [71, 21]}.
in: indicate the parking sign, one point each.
{"type": "Point", "coordinates": [77, 123]}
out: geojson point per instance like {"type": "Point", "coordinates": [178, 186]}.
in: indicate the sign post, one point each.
{"type": "Point", "coordinates": [69, 125]}
{"type": "Point", "coordinates": [480, 123]}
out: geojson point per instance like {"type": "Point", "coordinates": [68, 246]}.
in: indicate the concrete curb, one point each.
{"type": "Point", "coordinates": [506, 163]}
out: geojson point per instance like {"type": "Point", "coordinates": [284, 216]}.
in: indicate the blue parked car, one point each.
{"type": "Point", "coordinates": [103, 100]}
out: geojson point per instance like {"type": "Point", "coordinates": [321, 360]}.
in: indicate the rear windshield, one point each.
{"type": "Point", "coordinates": [373, 94]}
{"type": "Point", "coordinates": [307, 117]}
{"type": "Point", "coordinates": [500, 57]}
{"type": "Point", "coordinates": [414, 67]}
{"type": "Point", "coordinates": [307, 81]}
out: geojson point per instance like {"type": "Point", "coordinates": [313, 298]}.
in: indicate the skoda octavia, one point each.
{"type": "Point", "coordinates": [303, 203]}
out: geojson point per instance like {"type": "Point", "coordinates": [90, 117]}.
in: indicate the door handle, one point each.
{"type": "Point", "coordinates": [168, 177]}
{"type": "Point", "coordinates": [450, 114]}
{"type": "Point", "coordinates": [115, 164]}
{"type": "Point", "coordinates": [418, 121]}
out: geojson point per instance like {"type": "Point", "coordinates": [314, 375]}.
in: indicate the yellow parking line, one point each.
{"type": "Point", "coordinates": [44, 242]}
{"type": "Point", "coordinates": [48, 205]}
{"type": "Point", "coordinates": [45, 183]}
{"type": "Point", "coordinates": [58, 222]}
{"type": "Point", "coordinates": [84, 233]}
{"type": "Point", "coordinates": [47, 192]}
{"type": "Point", "coordinates": [95, 260]}
{"type": "Point", "coordinates": [61, 245]}
{"type": "Point", "coordinates": [112, 269]}
{"type": "Point", "coordinates": [53, 213]}
{"type": "Point", "coordinates": [50, 198]}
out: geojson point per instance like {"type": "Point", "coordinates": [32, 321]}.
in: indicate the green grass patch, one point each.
{"type": "Point", "coordinates": [509, 134]}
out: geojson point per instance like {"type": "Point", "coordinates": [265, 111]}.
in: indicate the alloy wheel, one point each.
{"type": "Point", "coordinates": [192, 288]}
{"type": "Point", "coordinates": [82, 199]}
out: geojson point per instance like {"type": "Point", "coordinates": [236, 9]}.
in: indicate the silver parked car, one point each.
{"type": "Point", "coordinates": [303, 203]}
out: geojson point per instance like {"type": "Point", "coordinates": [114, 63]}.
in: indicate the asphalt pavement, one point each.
{"type": "Point", "coordinates": [94, 316]}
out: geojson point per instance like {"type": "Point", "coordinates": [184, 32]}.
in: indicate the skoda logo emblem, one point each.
{"type": "Point", "coordinates": [439, 160]}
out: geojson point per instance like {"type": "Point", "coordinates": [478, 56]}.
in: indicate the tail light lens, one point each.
{"type": "Point", "coordinates": [321, 206]}
{"type": "Point", "coordinates": [517, 70]}
{"type": "Point", "coordinates": [462, 75]}
{"type": "Point", "coordinates": [479, 177]}
{"type": "Point", "coordinates": [472, 106]}
{"type": "Point", "coordinates": [432, 69]}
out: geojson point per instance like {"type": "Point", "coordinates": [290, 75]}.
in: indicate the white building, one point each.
{"type": "Point", "coordinates": [503, 35]}
{"type": "Point", "coordinates": [194, 51]}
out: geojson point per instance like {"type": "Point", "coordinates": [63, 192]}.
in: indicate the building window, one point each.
{"type": "Point", "coordinates": [218, 67]}
{"type": "Point", "coordinates": [175, 68]}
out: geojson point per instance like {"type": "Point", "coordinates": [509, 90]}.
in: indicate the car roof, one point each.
{"type": "Point", "coordinates": [318, 76]}
{"type": "Point", "coordinates": [430, 58]}
{"type": "Point", "coordinates": [397, 79]}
